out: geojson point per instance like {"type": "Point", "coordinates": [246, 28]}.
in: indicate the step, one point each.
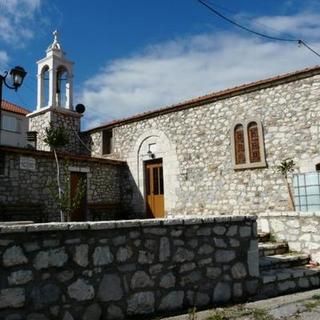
{"type": "Point", "coordinates": [272, 248]}
{"type": "Point", "coordinates": [283, 261]}
{"type": "Point", "coordinates": [280, 281]}
{"type": "Point", "coordinates": [263, 236]}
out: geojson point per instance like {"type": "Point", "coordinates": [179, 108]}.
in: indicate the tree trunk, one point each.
{"type": "Point", "coordinates": [290, 200]}
{"type": "Point", "coordinates": [58, 183]}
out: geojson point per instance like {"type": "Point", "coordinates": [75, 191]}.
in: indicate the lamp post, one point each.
{"type": "Point", "coordinates": [17, 76]}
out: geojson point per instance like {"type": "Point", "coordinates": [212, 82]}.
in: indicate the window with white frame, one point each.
{"type": "Point", "coordinates": [247, 145]}
{"type": "Point", "coordinates": [306, 187]}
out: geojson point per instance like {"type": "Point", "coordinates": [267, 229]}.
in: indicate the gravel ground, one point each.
{"type": "Point", "coordinates": [298, 306]}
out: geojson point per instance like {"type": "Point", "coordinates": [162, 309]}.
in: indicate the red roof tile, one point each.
{"type": "Point", "coordinates": [11, 107]}
{"type": "Point", "coordinates": [219, 95]}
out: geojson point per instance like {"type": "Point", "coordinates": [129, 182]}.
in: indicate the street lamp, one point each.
{"type": "Point", "coordinates": [17, 76]}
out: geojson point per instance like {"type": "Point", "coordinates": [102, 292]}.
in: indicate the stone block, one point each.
{"type": "Point", "coordinates": [164, 250]}
{"type": "Point", "coordinates": [45, 295]}
{"type": "Point", "coordinates": [219, 230]}
{"type": "Point", "coordinates": [213, 272]}
{"type": "Point", "coordinates": [114, 313]}
{"type": "Point", "coordinates": [205, 249]}
{"type": "Point", "coordinates": [50, 258]}
{"type": "Point", "coordinates": [20, 277]}
{"type": "Point", "coordinates": [239, 271]}
{"type": "Point", "coordinates": [167, 281]}
{"type": "Point", "coordinates": [80, 256]}
{"type": "Point", "coordinates": [80, 290]}
{"type": "Point", "coordinates": [172, 301]}
{"type": "Point", "coordinates": [224, 256]}
{"type": "Point", "coordinates": [124, 254]}
{"type": "Point", "coordinates": [141, 303]}
{"type": "Point", "coordinates": [245, 231]}
{"type": "Point", "coordinates": [102, 256]}
{"type": "Point", "coordinates": [222, 292]}
{"type": "Point", "coordinates": [110, 288]}
{"type": "Point", "coordinates": [14, 256]}
{"type": "Point", "coordinates": [141, 279]}
{"type": "Point", "coordinates": [12, 298]}
{"type": "Point", "coordinates": [92, 312]}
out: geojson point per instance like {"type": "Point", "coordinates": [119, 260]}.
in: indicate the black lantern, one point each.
{"type": "Point", "coordinates": [17, 74]}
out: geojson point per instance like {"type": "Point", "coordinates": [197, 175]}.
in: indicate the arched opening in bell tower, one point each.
{"type": "Point", "coordinates": [63, 87]}
{"type": "Point", "coordinates": [44, 86]}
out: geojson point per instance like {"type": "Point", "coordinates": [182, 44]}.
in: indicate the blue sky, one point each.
{"type": "Point", "coordinates": [134, 56]}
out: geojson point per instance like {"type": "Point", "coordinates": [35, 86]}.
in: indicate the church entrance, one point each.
{"type": "Point", "coordinates": [78, 214]}
{"type": "Point", "coordinates": [154, 188]}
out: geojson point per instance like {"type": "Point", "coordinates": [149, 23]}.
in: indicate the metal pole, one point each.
{"type": "Point", "coordinates": [1, 86]}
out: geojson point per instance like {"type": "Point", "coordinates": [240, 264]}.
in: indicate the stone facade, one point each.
{"type": "Point", "coordinates": [58, 117]}
{"type": "Point", "coordinates": [28, 175]}
{"type": "Point", "coordinates": [194, 142]}
{"type": "Point", "coordinates": [125, 269]}
{"type": "Point", "coordinates": [299, 229]}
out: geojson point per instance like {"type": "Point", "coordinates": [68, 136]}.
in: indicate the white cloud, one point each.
{"type": "Point", "coordinates": [16, 20]}
{"type": "Point", "coordinates": [304, 26]}
{"type": "Point", "coordinates": [172, 72]}
{"type": "Point", "coordinates": [3, 59]}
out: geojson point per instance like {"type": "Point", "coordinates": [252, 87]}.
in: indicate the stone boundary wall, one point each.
{"type": "Point", "coordinates": [125, 269]}
{"type": "Point", "coordinates": [28, 175]}
{"type": "Point", "coordinates": [299, 229]}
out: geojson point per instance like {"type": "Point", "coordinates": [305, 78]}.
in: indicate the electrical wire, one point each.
{"type": "Point", "coordinates": [263, 35]}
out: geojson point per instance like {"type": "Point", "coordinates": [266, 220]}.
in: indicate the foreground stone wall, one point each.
{"type": "Point", "coordinates": [200, 152]}
{"type": "Point", "coordinates": [28, 176]}
{"type": "Point", "coordinates": [127, 268]}
{"type": "Point", "coordinates": [299, 229]}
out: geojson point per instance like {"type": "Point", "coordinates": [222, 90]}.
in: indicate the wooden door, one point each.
{"type": "Point", "coordinates": [154, 188]}
{"type": "Point", "coordinates": [80, 213]}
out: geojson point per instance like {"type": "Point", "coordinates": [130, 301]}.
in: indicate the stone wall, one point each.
{"type": "Point", "coordinates": [59, 117]}
{"type": "Point", "coordinates": [299, 229]}
{"type": "Point", "coordinates": [197, 155]}
{"type": "Point", "coordinates": [126, 268]}
{"type": "Point", "coordinates": [28, 175]}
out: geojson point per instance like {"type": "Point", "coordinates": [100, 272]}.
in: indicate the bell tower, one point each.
{"type": "Point", "coordinates": [55, 78]}
{"type": "Point", "coordinates": [55, 98]}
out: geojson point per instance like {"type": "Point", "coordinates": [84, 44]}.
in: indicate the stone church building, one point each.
{"type": "Point", "coordinates": [216, 154]}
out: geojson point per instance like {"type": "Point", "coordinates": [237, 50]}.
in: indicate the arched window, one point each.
{"type": "Point", "coordinates": [45, 86]}
{"type": "Point", "coordinates": [253, 141]}
{"type": "Point", "coordinates": [239, 144]}
{"type": "Point", "coordinates": [247, 145]}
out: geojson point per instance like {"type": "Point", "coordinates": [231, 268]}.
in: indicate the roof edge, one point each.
{"type": "Point", "coordinates": [215, 96]}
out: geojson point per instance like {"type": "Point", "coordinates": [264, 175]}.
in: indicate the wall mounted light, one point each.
{"type": "Point", "coordinates": [17, 76]}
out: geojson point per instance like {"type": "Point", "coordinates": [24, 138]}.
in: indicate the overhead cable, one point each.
{"type": "Point", "coordinates": [263, 35]}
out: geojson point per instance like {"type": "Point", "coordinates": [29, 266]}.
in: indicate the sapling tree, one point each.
{"type": "Point", "coordinates": [68, 202]}
{"type": "Point", "coordinates": [57, 137]}
{"type": "Point", "coordinates": [284, 168]}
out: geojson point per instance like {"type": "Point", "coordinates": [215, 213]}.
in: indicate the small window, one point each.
{"type": "Point", "coordinates": [247, 145]}
{"type": "Point", "coordinates": [10, 123]}
{"type": "Point", "coordinates": [253, 141]}
{"type": "Point", "coordinates": [106, 141]}
{"type": "Point", "coordinates": [239, 144]}
{"type": "Point", "coordinates": [318, 167]}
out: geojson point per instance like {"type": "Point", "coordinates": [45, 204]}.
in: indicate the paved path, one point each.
{"type": "Point", "coordinates": [298, 306]}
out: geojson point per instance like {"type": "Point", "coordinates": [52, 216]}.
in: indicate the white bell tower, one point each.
{"type": "Point", "coordinates": [54, 99]}
{"type": "Point", "coordinates": [55, 87]}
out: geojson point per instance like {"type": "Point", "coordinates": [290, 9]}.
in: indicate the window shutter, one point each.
{"type": "Point", "coordinates": [253, 139]}
{"type": "Point", "coordinates": [239, 145]}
